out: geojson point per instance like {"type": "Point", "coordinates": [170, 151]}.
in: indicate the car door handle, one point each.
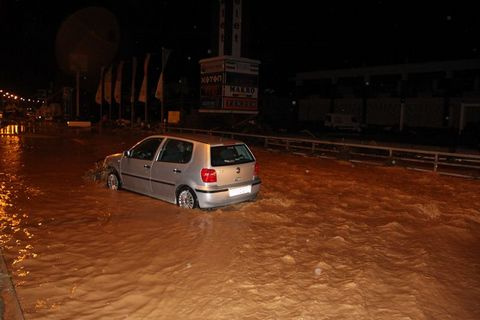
{"type": "Point", "coordinates": [147, 166]}
{"type": "Point", "coordinates": [177, 171]}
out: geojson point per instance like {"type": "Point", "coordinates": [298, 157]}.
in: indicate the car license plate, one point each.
{"type": "Point", "coordinates": [232, 192]}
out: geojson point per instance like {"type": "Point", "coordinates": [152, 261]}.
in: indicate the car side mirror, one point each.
{"type": "Point", "coordinates": [127, 153]}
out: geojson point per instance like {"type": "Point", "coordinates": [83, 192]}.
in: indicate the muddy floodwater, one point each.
{"type": "Point", "coordinates": [325, 239]}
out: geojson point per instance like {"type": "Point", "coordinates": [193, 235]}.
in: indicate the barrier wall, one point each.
{"type": "Point", "coordinates": [418, 112]}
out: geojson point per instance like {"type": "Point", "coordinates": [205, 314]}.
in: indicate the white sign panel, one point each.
{"type": "Point", "coordinates": [240, 91]}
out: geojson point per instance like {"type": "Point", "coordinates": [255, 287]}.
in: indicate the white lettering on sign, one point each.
{"type": "Point", "coordinates": [213, 78]}
{"type": "Point", "coordinates": [240, 91]}
{"type": "Point", "coordinates": [244, 90]}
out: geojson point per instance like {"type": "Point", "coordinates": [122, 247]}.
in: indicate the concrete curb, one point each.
{"type": "Point", "coordinates": [10, 308]}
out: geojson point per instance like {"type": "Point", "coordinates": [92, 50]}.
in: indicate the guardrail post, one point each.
{"type": "Point", "coordinates": [313, 147]}
{"type": "Point", "coordinates": [266, 143]}
{"type": "Point", "coordinates": [391, 161]}
{"type": "Point", "coordinates": [288, 145]}
{"type": "Point", "coordinates": [435, 165]}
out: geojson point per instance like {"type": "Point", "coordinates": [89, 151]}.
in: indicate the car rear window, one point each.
{"type": "Point", "coordinates": [230, 155]}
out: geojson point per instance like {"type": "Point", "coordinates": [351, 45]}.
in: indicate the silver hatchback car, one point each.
{"type": "Point", "coordinates": [190, 170]}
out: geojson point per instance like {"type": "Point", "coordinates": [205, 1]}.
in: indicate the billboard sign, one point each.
{"type": "Point", "coordinates": [229, 84]}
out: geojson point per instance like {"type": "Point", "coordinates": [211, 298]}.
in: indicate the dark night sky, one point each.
{"type": "Point", "coordinates": [286, 36]}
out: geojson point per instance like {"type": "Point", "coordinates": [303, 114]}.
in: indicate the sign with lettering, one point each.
{"type": "Point", "coordinates": [229, 84]}
{"type": "Point", "coordinates": [239, 103]}
{"type": "Point", "coordinates": [211, 78]}
{"type": "Point", "coordinates": [240, 91]}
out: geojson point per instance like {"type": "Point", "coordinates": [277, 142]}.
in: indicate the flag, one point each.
{"type": "Point", "coordinates": [142, 97]}
{"type": "Point", "coordinates": [118, 84]}
{"type": "Point", "coordinates": [134, 75]}
{"type": "Point", "coordinates": [99, 95]}
{"type": "Point", "coordinates": [107, 83]}
{"type": "Point", "coordinates": [159, 93]}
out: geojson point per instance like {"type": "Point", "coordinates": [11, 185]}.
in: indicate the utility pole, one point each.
{"type": "Point", "coordinates": [77, 100]}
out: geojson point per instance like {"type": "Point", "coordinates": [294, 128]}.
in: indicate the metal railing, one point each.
{"type": "Point", "coordinates": [447, 163]}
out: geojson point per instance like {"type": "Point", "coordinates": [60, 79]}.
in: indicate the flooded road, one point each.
{"type": "Point", "coordinates": [326, 239]}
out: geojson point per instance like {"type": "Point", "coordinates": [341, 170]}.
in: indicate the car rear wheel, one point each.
{"type": "Point", "coordinates": [186, 199]}
{"type": "Point", "coordinates": [113, 183]}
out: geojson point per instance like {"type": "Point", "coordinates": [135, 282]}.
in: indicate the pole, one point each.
{"type": "Point", "coordinates": [163, 95]}
{"type": "Point", "coordinates": [120, 101]}
{"type": "Point", "coordinates": [111, 96]}
{"type": "Point", "coordinates": [402, 115]}
{"type": "Point", "coordinates": [162, 102]}
{"type": "Point", "coordinates": [78, 94]}
{"type": "Point", "coordinates": [101, 93]}
{"type": "Point", "coordinates": [146, 95]}
{"type": "Point", "coordinates": [132, 97]}
{"type": "Point", "coordinates": [462, 118]}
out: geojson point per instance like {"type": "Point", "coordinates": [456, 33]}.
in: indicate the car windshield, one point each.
{"type": "Point", "coordinates": [230, 155]}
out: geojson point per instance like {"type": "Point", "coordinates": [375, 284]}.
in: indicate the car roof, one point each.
{"type": "Point", "coordinates": [202, 138]}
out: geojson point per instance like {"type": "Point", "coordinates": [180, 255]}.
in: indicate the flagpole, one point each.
{"type": "Point", "coordinates": [162, 102]}
{"type": "Point", "coordinates": [146, 94]}
{"type": "Point", "coordinates": [101, 94]}
{"type": "Point", "coordinates": [143, 96]}
{"type": "Point", "coordinates": [117, 92]}
{"type": "Point", "coordinates": [78, 94]}
{"type": "Point", "coordinates": [111, 95]}
{"type": "Point", "coordinates": [132, 97]}
{"type": "Point", "coordinates": [120, 102]}
{"type": "Point", "coordinates": [160, 92]}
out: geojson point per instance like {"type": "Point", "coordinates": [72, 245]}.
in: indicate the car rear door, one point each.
{"type": "Point", "coordinates": [135, 169]}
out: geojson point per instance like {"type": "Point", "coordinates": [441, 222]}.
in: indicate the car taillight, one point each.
{"type": "Point", "coordinates": [208, 175]}
{"type": "Point", "coordinates": [256, 170]}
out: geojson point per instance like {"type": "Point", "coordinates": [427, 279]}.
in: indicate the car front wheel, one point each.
{"type": "Point", "coordinates": [186, 199]}
{"type": "Point", "coordinates": [113, 183]}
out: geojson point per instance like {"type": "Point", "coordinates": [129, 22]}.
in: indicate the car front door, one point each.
{"type": "Point", "coordinates": [169, 170]}
{"type": "Point", "coordinates": [135, 168]}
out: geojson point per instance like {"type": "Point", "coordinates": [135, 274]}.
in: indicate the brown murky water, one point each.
{"type": "Point", "coordinates": [325, 240]}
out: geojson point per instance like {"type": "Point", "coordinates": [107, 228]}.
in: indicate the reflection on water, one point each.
{"type": "Point", "coordinates": [15, 236]}
{"type": "Point", "coordinates": [12, 129]}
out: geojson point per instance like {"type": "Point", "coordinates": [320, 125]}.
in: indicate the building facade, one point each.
{"type": "Point", "coordinates": [442, 94]}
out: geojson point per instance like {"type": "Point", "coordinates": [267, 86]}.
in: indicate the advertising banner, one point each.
{"type": "Point", "coordinates": [240, 91]}
{"type": "Point", "coordinates": [229, 84]}
{"type": "Point", "coordinates": [239, 103]}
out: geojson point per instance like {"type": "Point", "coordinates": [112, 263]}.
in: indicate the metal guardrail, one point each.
{"type": "Point", "coordinates": [447, 163]}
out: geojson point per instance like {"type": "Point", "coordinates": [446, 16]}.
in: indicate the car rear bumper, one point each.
{"type": "Point", "coordinates": [219, 197]}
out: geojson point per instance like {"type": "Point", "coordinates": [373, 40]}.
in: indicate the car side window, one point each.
{"type": "Point", "coordinates": [176, 151]}
{"type": "Point", "coordinates": [146, 150]}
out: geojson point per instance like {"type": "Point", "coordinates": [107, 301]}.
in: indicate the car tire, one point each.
{"type": "Point", "coordinates": [113, 182]}
{"type": "Point", "coordinates": [186, 198]}
{"type": "Point", "coordinates": [254, 198]}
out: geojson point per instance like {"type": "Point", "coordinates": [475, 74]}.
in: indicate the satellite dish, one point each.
{"type": "Point", "coordinates": [87, 40]}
